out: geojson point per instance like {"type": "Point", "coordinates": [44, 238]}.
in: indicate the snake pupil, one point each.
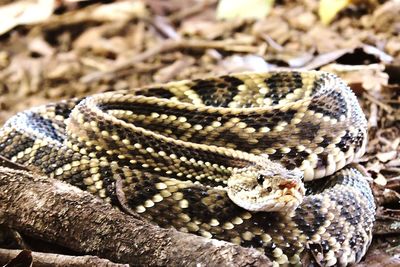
{"type": "Point", "coordinates": [260, 179]}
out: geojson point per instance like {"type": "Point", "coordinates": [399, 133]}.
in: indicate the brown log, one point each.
{"type": "Point", "coordinates": [40, 259]}
{"type": "Point", "coordinates": [61, 213]}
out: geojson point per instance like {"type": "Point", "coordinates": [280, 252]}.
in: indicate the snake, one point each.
{"type": "Point", "coordinates": [260, 159]}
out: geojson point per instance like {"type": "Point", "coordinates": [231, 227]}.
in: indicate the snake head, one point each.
{"type": "Point", "coordinates": [267, 186]}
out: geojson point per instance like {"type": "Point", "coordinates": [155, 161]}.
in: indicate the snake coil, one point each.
{"type": "Point", "coordinates": [223, 157]}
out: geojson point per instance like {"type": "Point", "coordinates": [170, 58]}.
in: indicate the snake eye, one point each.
{"type": "Point", "coordinates": [260, 179]}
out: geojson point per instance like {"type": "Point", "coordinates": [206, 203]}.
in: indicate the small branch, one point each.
{"type": "Point", "coordinates": [63, 214]}
{"type": "Point", "coordinates": [47, 259]}
{"type": "Point", "coordinates": [166, 46]}
{"type": "Point", "coordinates": [382, 105]}
{"type": "Point", "coordinates": [387, 221]}
{"type": "Point", "coordinates": [4, 162]}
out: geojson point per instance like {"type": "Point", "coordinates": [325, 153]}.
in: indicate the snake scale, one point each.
{"type": "Point", "coordinates": [223, 157]}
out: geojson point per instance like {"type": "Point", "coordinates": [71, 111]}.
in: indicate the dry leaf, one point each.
{"type": "Point", "coordinates": [245, 63]}
{"type": "Point", "coordinates": [325, 40]}
{"type": "Point", "coordinates": [171, 71]}
{"type": "Point", "coordinates": [394, 163]}
{"type": "Point", "coordinates": [379, 258]}
{"type": "Point", "coordinates": [25, 12]}
{"type": "Point", "coordinates": [41, 47]}
{"type": "Point", "coordinates": [386, 156]}
{"type": "Point", "coordinates": [228, 9]}
{"type": "Point", "coordinates": [120, 11]}
{"type": "Point", "coordinates": [325, 58]}
{"type": "Point", "coordinates": [328, 9]}
{"type": "Point", "coordinates": [386, 17]}
{"type": "Point", "coordinates": [380, 180]}
{"type": "Point", "coordinates": [303, 21]}
{"type": "Point", "coordinates": [370, 77]}
{"type": "Point", "coordinates": [382, 56]}
{"type": "Point", "coordinates": [374, 166]}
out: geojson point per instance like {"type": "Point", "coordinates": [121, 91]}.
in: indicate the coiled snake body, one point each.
{"type": "Point", "coordinates": [221, 157]}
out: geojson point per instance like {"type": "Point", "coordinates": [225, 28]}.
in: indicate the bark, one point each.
{"type": "Point", "coordinates": [58, 212]}
{"type": "Point", "coordinates": [50, 259]}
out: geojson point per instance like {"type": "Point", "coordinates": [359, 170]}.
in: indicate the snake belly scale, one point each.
{"type": "Point", "coordinates": [222, 157]}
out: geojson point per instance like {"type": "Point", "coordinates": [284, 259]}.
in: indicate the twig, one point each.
{"type": "Point", "coordinates": [163, 26]}
{"type": "Point", "coordinates": [373, 116]}
{"type": "Point", "coordinates": [166, 46]}
{"type": "Point", "coordinates": [382, 105]}
{"type": "Point", "coordinates": [271, 42]}
{"type": "Point", "coordinates": [4, 162]}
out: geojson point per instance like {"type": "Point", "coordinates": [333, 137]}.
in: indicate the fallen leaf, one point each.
{"type": "Point", "coordinates": [300, 60]}
{"type": "Point", "coordinates": [386, 156]}
{"type": "Point", "coordinates": [169, 72]}
{"type": "Point", "coordinates": [382, 56]}
{"type": "Point", "coordinates": [318, 35]}
{"type": "Point", "coordinates": [120, 11]}
{"type": "Point", "coordinates": [25, 12]}
{"type": "Point", "coordinates": [228, 9]}
{"type": "Point", "coordinates": [245, 63]}
{"type": "Point", "coordinates": [303, 20]}
{"type": "Point", "coordinates": [369, 77]}
{"type": "Point", "coordinates": [393, 46]}
{"type": "Point", "coordinates": [386, 17]}
{"type": "Point", "coordinates": [41, 47]}
{"type": "Point", "coordinates": [328, 9]}
{"type": "Point", "coordinates": [378, 258]}
{"type": "Point", "coordinates": [380, 180]}
{"type": "Point", "coordinates": [325, 58]}
{"type": "Point", "coordinates": [394, 163]}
